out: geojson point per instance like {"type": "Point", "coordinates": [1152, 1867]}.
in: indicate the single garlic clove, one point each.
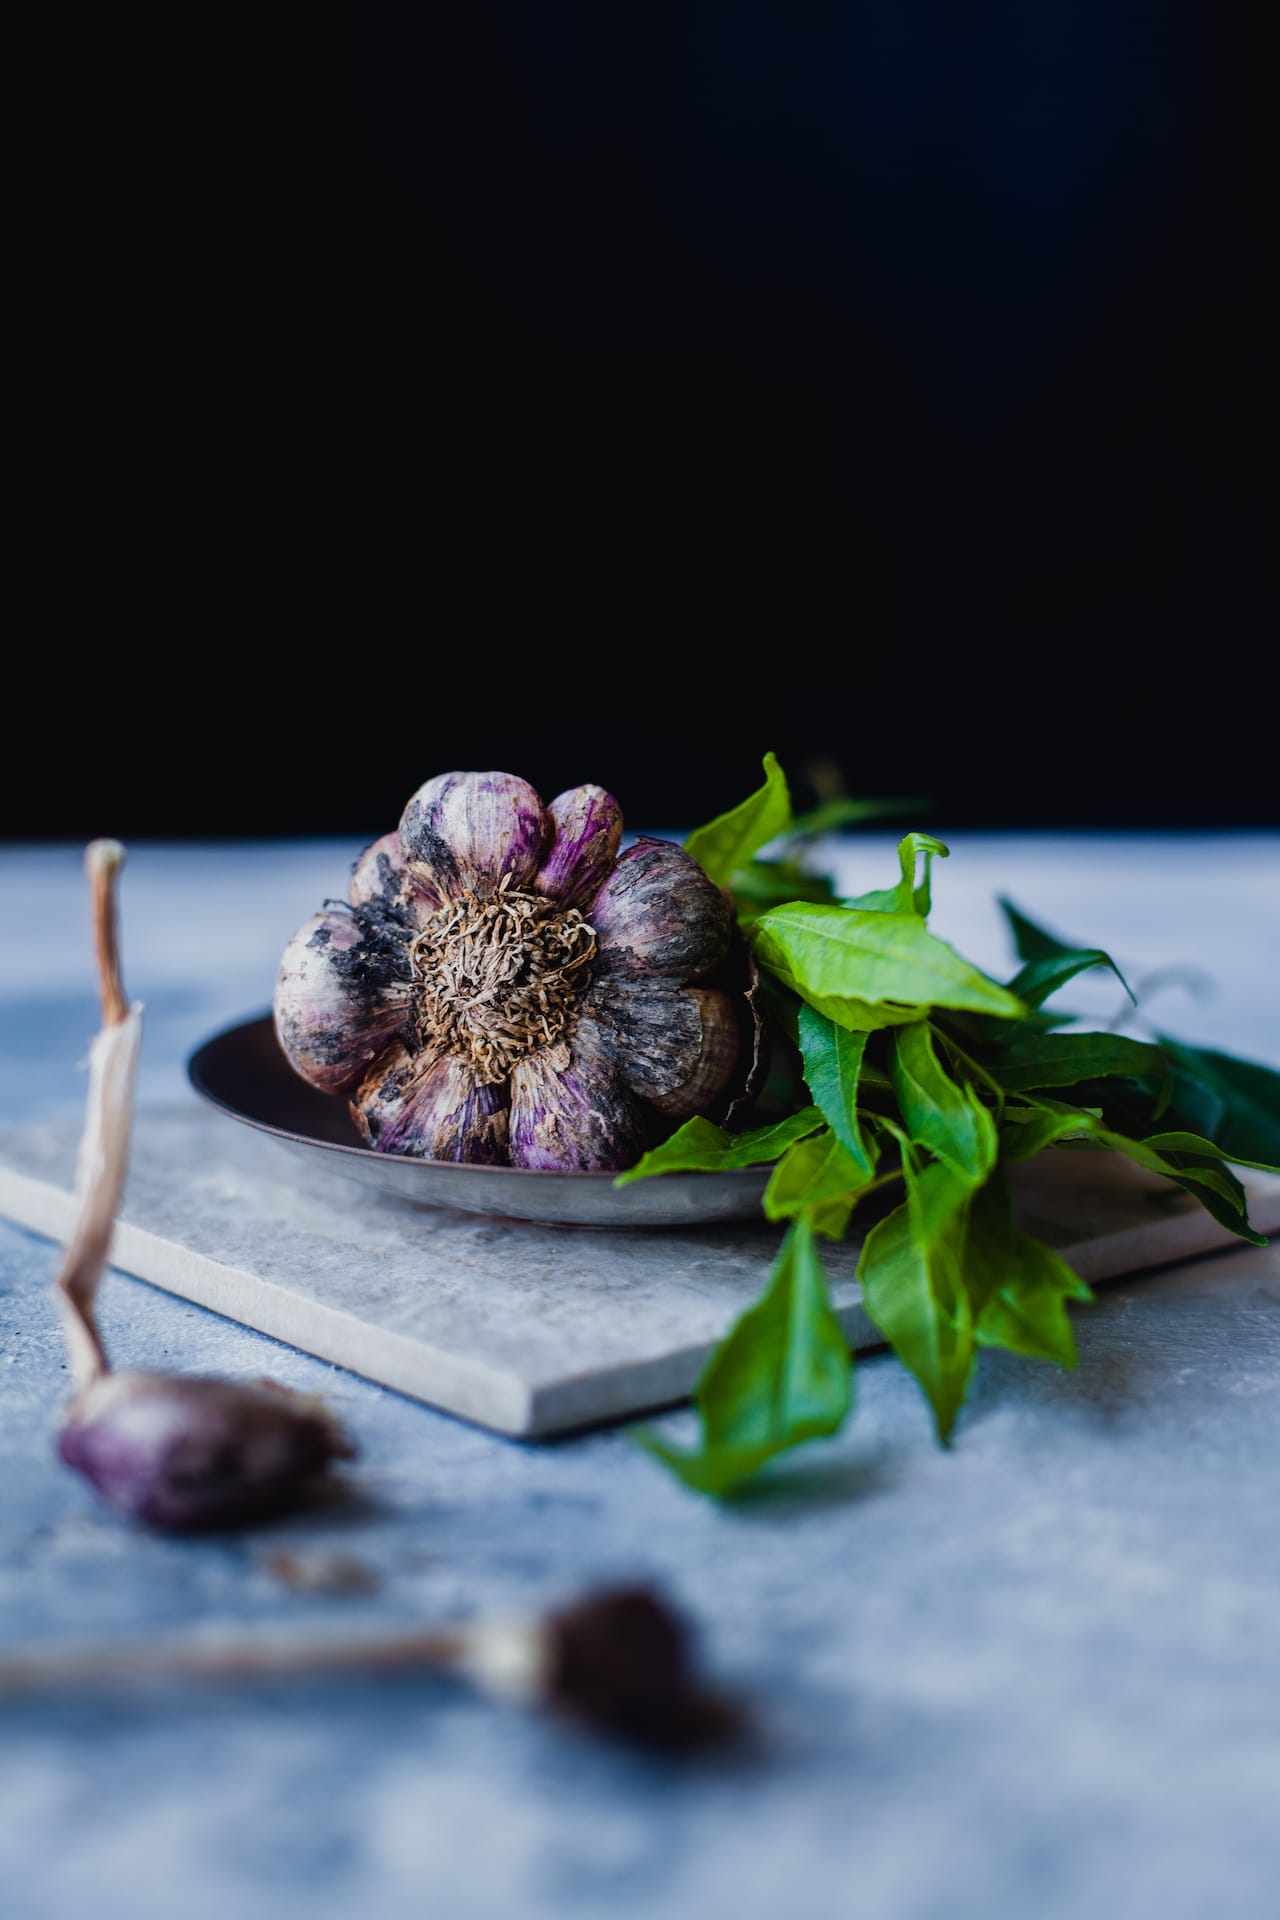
{"type": "Point", "coordinates": [431, 1106]}
{"type": "Point", "coordinates": [381, 882]}
{"type": "Point", "coordinates": [660, 912]}
{"type": "Point", "coordinates": [653, 1027]}
{"type": "Point", "coordinates": [183, 1454]}
{"type": "Point", "coordinates": [571, 1110]}
{"type": "Point", "coordinates": [464, 831]}
{"type": "Point", "coordinates": [341, 997]}
{"type": "Point", "coordinates": [706, 1086]}
{"type": "Point", "coordinates": [378, 874]}
{"type": "Point", "coordinates": [587, 831]}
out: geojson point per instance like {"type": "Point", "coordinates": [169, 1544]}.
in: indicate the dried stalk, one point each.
{"type": "Point", "coordinates": [104, 1149]}
{"type": "Point", "coordinates": [225, 1657]}
{"type": "Point", "coordinates": [496, 978]}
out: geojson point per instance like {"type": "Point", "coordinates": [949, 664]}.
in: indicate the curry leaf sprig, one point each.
{"type": "Point", "coordinates": [903, 1071]}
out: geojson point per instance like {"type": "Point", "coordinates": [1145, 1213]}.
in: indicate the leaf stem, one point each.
{"type": "Point", "coordinates": [958, 1053]}
{"type": "Point", "coordinates": [881, 1180]}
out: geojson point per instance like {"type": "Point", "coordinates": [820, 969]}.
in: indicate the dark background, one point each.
{"type": "Point", "coordinates": [612, 391]}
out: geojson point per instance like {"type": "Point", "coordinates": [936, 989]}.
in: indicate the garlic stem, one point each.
{"type": "Point", "coordinates": [103, 860]}
{"type": "Point", "coordinates": [104, 1148]}
{"type": "Point", "coordinates": [224, 1656]}
{"type": "Point", "coordinates": [618, 1659]}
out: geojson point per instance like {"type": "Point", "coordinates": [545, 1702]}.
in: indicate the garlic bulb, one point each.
{"type": "Point", "coordinates": [173, 1452]}
{"type": "Point", "coordinates": [185, 1452]}
{"type": "Point", "coordinates": [505, 987]}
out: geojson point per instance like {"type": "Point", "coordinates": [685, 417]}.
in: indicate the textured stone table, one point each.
{"type": "Point", "coordinates": [1038, 1675]}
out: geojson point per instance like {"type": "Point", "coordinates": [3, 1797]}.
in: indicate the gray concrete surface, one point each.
{"type": "Point", "coordinates": [1036, 1676]}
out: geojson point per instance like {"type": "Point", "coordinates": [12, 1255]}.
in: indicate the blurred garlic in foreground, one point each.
{"type": "Point", "coordinates": [175, 1453]}
{"type": "Point", "coordinates": [184, 1453]}
{"type": "Point", "coordinates": [618, 1660]}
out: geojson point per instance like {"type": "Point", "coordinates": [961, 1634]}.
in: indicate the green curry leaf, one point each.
{"type": "Point", "coordinates": [908, 896]}
{"type": "Point", "coordinates": [1238, 1102]}
{"type": "Point", "coordinates": [1064, 1059]}
{"type": "Point", "coordinates": [700, 1147]}
{"type": "Point", "coordinates": [865, 970]}
{"type": "Point", "coordinates": [833, 1060]}
{"type": "Point", "coordinates": [1018, 1287]}
{"type": "Point", "coordinates": [727, 843]}
{"type": "Point", "coordinates": [781, 1376]}
{"type": "Point", "coordinates": [819, 1178]}
{"type": "Point", "coordinates": [912, 1274]}
{"type": "Point", "coordinates": [950, 1120]}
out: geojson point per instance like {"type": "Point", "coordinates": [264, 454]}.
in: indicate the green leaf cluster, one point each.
{"type": "Point", "coordinates": [918, 1082]}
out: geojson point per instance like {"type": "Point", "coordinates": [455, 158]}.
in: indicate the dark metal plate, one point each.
{"type": "Point", "coordinates": [244, 1073]}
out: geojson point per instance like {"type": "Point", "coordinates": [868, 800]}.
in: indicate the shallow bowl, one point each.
{"type": "Point", "coordinates": [243, 1073]}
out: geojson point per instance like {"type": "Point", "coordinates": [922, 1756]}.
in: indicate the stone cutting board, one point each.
{"type": "Point", "coordinates": [528, 1330]}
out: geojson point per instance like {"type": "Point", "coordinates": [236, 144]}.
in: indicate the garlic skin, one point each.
{"type": "Point", "coordinates": [335, 1004]}
{"type": "Point", "coordinates": [679, 1046]}
{"type": "Point", "coordinates": [571, 1107]}
{"type": "Point", "coordinates": [586, 834]}
{"type": "Point", "coordinates": [429, 1104]}
{"type": "Point", "coordinates": [506, 988]}
{"type": "Point", "coordinates": [657, 912]}
{"type": "Point", "coordinates": [182, 1454]}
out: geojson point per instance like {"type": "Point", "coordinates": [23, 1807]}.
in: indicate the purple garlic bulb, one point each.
{"type": "Point", "coordinates": [505, 987]}
{"type": "Point", "coordinates": [184, 1454]}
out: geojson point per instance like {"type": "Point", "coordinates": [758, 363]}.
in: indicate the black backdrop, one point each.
{"type": "Point", "coordinates": [611, 391]}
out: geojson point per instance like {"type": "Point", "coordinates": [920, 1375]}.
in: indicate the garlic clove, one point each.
{"type": "Point", "coordinates": [465, 831]}
{"type": "Point", "coordinates": [342, 995]}
{"type": "Point", "coordinates": [714, 1071]}
{"type": "Point", "coordinates": [188, 1453]}
{"type": "Point", "coordinates": [433, 1107]}
{"type": "Point", "coordinates": [678, 1047]}
{"type": "Point", "coordinates": [378, 875]}
{"type": "Point", "coordinates": [658, 911]}
{"type": "Point", "coordinates": [571, 1109]}
{"type": "Point", "coordinates": [653, 1029]}
{"type": "Point", "coordinates": [587, 831]}
{"type": "Point", "coordinates": [381, 882]}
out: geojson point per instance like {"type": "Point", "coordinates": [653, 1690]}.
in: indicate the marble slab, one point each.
{"type": "Point", "coordinates": [528, 1330]}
